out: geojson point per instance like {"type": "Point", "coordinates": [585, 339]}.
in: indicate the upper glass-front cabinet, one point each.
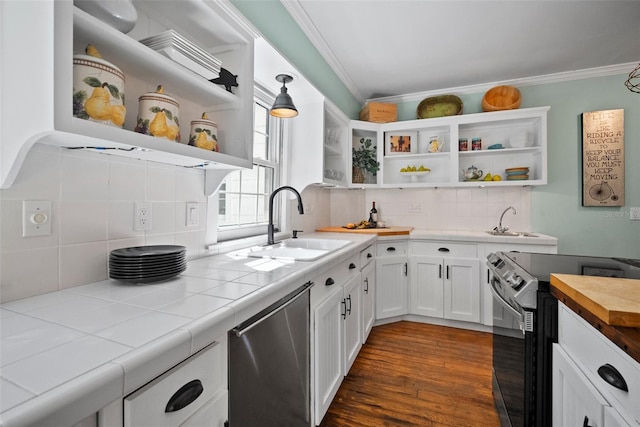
{"type": "Point", "coordinates": [207, 24]}
{"type": "Point", "coordinates": [507, 148]}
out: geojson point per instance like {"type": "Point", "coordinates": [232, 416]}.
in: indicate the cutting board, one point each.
{"type": "Point", "coordinates": [390, 231]}
{"type": "Point", "coordinates": [614, 301]}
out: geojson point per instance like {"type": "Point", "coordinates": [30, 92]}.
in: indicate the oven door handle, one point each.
{"type": "Point", "coordinates": [505, 304]}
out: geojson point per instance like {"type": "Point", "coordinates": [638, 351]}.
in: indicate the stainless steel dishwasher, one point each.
{"type": "Point", "coordinates": [269, 365]}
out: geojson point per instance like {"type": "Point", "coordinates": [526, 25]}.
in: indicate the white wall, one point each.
{"type": "Point", "coordinates": [92, 199]}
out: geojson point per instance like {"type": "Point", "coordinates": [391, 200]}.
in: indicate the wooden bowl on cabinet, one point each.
{"type": "Point", "coordinates": [501, 98]}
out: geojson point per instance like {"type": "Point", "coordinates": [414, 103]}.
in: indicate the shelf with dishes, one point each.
{"type": "Point", "coordinates": [111, 129]}
{"type": "Point", "coordinates": [493, 143]}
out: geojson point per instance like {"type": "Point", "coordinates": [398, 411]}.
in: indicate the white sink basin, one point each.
{"type": "Point", "coordinates": [298, 249]}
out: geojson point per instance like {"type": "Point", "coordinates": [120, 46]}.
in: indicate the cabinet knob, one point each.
{"type": "Point", "coordinates": [369, 255]}
{"type": "Point", "coordinates": [391, 249]}
{"type": "Point", "coordinates": [613, 377]}
{"type": "Point", "coordinates": [352, 266]}
{"type": "Point", "coordinates": [443, 250]}
{"type": "Point", "coordinates": [329, 282]}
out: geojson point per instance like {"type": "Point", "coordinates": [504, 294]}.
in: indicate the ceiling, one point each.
{"type": "Point", "coordinates": [382, 48]}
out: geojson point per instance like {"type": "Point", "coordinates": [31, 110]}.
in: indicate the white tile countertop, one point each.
{"type": "Point", "coordinates": [481, 237]}
{"type": "Point", "coordinates": [69, 353]}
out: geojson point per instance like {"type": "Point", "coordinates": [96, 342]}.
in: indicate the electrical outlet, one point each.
{"type": "Point", "coordinates": [634, 214]}
{"type": "Point", "coordinates": [142, 216]}
{"type": "Point", "coordinates": [36, 218]}
{"type": "Point", "coordinates": [192, 214]}
{"type": "Point", "coordinates": [415, 207]}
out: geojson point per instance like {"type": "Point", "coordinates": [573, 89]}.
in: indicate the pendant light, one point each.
{"type": "Point", "coordinates": [283, 106]}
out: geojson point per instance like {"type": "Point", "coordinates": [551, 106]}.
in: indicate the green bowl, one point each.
{"type": "Point", "coordinates": [439, 106]}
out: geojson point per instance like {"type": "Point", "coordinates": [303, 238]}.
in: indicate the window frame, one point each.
{"type": "Point", "coordinates": [275, 153]}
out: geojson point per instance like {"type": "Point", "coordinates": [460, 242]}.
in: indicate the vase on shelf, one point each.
{"type": "Point", "coordinates": [357, 175]}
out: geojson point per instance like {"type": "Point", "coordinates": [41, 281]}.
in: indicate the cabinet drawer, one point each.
{"type": "Point", "coordinates": [592, 350]}
{"type": "Point", "coordinates": [327, 282]}
{"type": "Point", "coordinates": [146, 406]}
{"type": "Point", "coordinates": [366, 256]}
{"type": "Point", "coordinates": [391, 248]}
{"type": "Point", "coordinates": [444, 249]}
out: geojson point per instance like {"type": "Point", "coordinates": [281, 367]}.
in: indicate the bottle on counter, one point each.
{"type": "Point", "coordinates": [373, 216]}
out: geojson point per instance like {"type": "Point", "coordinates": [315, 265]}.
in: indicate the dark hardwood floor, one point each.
{"type": "Point", "coordinates": [414, 374]}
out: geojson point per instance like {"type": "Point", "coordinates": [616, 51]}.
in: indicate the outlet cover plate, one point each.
{"type": "Point", "coordinates": [634, 214]}
{"type": "Point", "coordinates": [142, 216]}
{"type": "Point", "coordinates": [192, 214]}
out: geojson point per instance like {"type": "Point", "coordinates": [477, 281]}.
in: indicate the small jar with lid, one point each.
{"type": "Point", "coordinates": [476, 144]}
{"type": "Point", "coordinates": [204, 134]}
{"type": "Point", "coordinates": [158, 115]}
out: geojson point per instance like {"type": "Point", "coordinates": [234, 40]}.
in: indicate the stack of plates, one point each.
{"type": "Point", "coordinates": [179, 49]}
{"type": "Point", "coordinates": [517, 174]}
{"type": "Point", "coordinates": [145, 264]}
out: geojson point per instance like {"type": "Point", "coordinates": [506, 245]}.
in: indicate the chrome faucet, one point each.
{"type": "Point", "coordinates": [270, 228]}
{"type": "Point", "coordinates": [500, 228]}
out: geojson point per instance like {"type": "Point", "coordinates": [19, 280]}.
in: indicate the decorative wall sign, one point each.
{"type": "Point", "coordinates": [603, 158]}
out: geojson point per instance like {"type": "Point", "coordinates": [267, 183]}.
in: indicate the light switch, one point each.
{"type": "Point", "coordinates": [36, 218]}
{"type": "Point", "coordinates": [192, 214]}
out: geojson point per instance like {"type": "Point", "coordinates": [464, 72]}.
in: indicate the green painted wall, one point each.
{"type": "Point", "coordinates": [557, 207]}
{"type": "Point", "coordinates": [277, 26]}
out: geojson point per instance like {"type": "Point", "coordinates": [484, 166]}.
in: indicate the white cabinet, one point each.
{"type": "Point", "coordinates": [328, 354]}
{"type": "Point", "coordinates": [144, 69]}
{"type": "Point", "coordinates": [337, 330]}
{"type": "Point", "coordinates": [593, 379]}
{"type": "Point", "coordinates": [391, 279]}
{"type": "Point", "coordinates": [319, 132]}
{"type": "Point", "coordinates": [352, 317]}
{"type": "Point", "coordinates": [576, 400]}
{"type": "Point", "coordinates": [505, 128]}
{"type": "Point", "coordinates": [364, 136]}
{"type": "Point", "coordinates": [180, 393]}
{"type": "Point", "coordinates": [368, 276]}
{"type": "Point", "coordinates": [444, 280]}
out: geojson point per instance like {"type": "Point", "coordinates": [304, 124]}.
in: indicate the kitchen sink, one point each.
{"type": "Point", "coordinates": [298, 249]}
{"type": "Point", "coordinates": [511, 233]}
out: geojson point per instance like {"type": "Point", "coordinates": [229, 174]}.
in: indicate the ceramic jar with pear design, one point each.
{"type": "Point", "coordinates": [98, 89]}
{"type": "Point", "coordinates": [204, 134]}
{"type": "Point", "coordinates": [158, 115]}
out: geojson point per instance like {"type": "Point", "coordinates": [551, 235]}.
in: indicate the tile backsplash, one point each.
{"type": "Point", "coordinates": [93, 197]}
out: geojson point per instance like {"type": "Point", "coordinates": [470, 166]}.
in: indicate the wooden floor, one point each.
{"type": "Point", "coordinates": [414, 374]}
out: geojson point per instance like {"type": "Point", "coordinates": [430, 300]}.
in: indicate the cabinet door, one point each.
{"type": "Point", "coordinates": [328, 336]}
{"type": "Point", "coordinates": [576, 400]}
{"type": "Point", "coordinates": [352, 316]}
{"type": "Point", "coordinates": [391, 287]}
{"type": "Point", "coordinates": [462, 289]}
{"type": "Point", "coordinates": [427, 274]}
{"type": "Point", "coordinates": [368, 300]}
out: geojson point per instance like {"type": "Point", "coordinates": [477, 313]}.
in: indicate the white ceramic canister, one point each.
{"type": "Point", "coordinates": [204, 134]}
{"type": "Point", "coordinates": [98, 89]}
{"type": "Point", "coordinates": [158, 115]}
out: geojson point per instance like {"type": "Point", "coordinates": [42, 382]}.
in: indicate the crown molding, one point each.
{"type": "Point", "coordinates": [527, 81]}
{"type": "Point", "coordinates": [305, 23]}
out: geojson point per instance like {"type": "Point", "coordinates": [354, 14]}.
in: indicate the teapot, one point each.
{"type": "Point", "coordinates": [472, 173]}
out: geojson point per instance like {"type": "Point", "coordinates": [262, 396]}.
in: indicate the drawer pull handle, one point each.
{"type": "Point", "coordinates": [391, 249]}
{"type": "Point", "coordinates": [352, 266]}
{"type": "Point", "coordinates": [185, 396]}
{"type": "Point", "coordinates": [369, 255]}
{"type": "Point", "coordinates": [585, 423]}
{"type": "Point", "coordinates": [443, 250]}
{"type": "Point", "coordinates": [612, 376]}
{"type": "Point", "coordinates": [329, 282]}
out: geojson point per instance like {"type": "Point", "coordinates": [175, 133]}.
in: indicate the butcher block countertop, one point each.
{"type": "Point", "coordinates": [389, 231]}
{"type": "Point", "coordinates": [611, 305]}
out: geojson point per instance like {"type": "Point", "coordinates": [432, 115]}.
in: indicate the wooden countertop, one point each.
{"type": "Point", "coordinates": [389, 231]}
{"type": "Point", "coordinates": [611, 305]}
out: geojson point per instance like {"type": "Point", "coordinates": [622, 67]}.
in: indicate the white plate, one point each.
{"type": "Point", "coordinates": [186, 62]}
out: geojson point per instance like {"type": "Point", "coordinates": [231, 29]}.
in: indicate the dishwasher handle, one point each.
{"type": "Point", "coordinates": [185, 396]}
{"type": "Point", "coordinates": [254, 321]}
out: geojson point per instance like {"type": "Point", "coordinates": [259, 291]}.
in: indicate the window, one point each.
{"type": "Point", "coordinates": [243, 199]}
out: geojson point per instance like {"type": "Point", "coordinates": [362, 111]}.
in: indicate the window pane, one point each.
{"type": "Point", "coordinates": [260, 132]}
{"type": "Point", "coordinates": [259, 146]}
{"type": "Point", "coordinates": [231, 207]}
{"type": "Point", "coordinates": [249, 182]}
{"type": "Point", "coordinates": [263, 209]}
{"type": "Point", "coordinates": [232, 182]}
{"type": "Point", "coordinates": [248, 206]}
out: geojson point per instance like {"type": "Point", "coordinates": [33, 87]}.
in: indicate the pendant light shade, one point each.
{"type": "Point", "coordinates": [283, 106]}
